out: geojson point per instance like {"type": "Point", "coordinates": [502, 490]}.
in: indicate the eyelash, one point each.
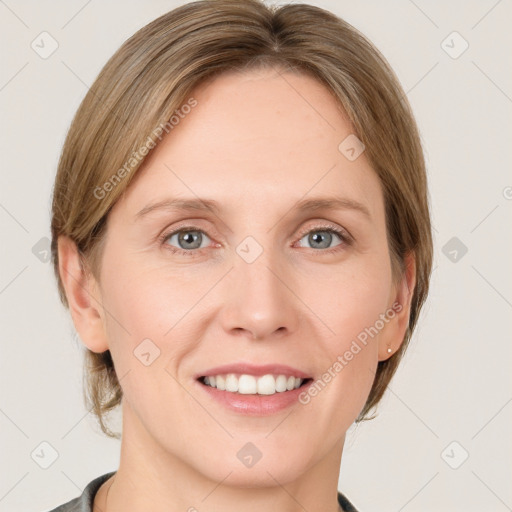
{"type": "Point", "coordinates": [342, 234]}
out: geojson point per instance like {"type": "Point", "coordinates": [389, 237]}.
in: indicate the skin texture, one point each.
{"type": "Point", "coordinates": [257, 142]}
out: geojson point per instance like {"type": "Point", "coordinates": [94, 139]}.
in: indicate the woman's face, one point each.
{"type": "Point", "coordinates": [258, 280]}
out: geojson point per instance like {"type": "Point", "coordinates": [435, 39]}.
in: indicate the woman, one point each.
{"type": "Point", "coordinates": [241, 232]}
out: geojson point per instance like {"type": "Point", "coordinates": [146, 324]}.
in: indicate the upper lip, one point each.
{"type": "Point", "coordinates": [252, 369]}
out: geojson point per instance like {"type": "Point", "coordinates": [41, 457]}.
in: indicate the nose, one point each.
{"type": "Point", "coordinates": [260, 299]}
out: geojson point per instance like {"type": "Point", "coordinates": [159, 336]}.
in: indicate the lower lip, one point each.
{"type": "Point", "coordinates": [255, 405]}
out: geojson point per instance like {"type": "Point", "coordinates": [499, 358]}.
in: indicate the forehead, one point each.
{"type": "Point", "coordinates": [261, 135]}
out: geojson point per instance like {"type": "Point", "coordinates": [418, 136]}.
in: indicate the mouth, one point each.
{"type": "Point", "coordinates": [244, 384]}
{"type": "Point", "coordinates": [258, 395]}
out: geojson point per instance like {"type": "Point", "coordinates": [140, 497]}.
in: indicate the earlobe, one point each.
{"type": "Point", "coordinates": [394, 333]}
{"type": "Point", "coordinates": [82, 295]}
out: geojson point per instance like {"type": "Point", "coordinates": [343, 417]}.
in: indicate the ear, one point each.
{"type": "Point", "coordinates": [399, 310]}
{"type": "Point", "coordinates": [83, 296]}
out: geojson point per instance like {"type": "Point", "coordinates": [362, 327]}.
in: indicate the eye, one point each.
{"type": "Point", "coordinates": [188, 239]}
{"type": "Point", "coordinates": [321, 237]}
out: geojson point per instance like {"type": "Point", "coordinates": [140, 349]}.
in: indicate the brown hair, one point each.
{"type": "Point", "coordinates": [154, 72]}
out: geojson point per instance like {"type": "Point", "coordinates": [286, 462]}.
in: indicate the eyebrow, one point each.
{"type": "Point", "coordinates": [209, 205]}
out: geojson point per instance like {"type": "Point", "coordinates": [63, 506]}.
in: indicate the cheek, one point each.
{"type": "Point", "coordinates": [149, 331]}
{"type": "Point", "coordinates": [148, 301]}
{"type": "Point", "coordinates": [356, 296]}
{"type": "Point", "coordinates": [352, 308]}
{"type": "Point", "coordinates": [155, 318]}
{"type": "Point", "coordinates": [357, 308]}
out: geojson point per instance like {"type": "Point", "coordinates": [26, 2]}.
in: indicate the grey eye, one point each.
{"type": "Point", "coordinates": [188, 239]}
{"type": "Point", "coordinates": [320, 238]}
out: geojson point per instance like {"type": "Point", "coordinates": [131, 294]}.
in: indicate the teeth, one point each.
{"type": "Point", "coordinates": [251, 385]}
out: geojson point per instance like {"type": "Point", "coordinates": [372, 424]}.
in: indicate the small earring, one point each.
{"type": "Point", "coordinates": [390, 350]}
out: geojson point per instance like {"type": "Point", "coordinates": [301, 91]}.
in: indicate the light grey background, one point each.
{"type": "Point", "coordinates": [454, 384]}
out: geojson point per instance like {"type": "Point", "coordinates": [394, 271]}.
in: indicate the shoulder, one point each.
{"type": "Point", "coordinates": [84, 502]}
{"type": "Point", "coordinates": [345, 503]}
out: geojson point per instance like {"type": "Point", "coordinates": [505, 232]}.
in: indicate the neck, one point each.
{"type": "Point", "coordinates": [151, 477]}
